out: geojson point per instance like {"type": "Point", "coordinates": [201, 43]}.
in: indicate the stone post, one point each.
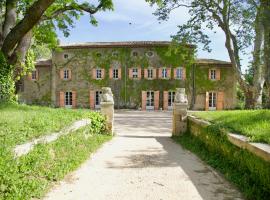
{"type": "Point", "coordinates": [180, 112]}
{"type": "Point", "coordinates": [107, 107]}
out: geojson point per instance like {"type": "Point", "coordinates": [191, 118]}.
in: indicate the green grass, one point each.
{"type": "Point", "coordinates": [253, 123]}
{"type": "Point", "coordinates": [31, 176]}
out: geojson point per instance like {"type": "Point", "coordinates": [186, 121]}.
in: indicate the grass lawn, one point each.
{"type": "Point", "coordinates": [253, 123]}
{"type": "Point", "coordinates": [31, 175]}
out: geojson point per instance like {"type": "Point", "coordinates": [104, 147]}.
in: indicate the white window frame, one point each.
{"type": "Point", "coordinates": [135, 73]}
{"type": "Point", "coordinates": [66, 75]}
{"type": "Point", "coordinates": [213, 74]}
{"type": "Point", "coordinates": [34, 75]}
{"type": "Point", "coordinates": [97, 99]}
{"type": "Point", "coordinates": [150, 100]}
{"type": "Point", "coordinates": [212, 101]}
{"type": "Point", "coordinates": [98, 73]}
{"type": "Point", "coordinates": [68, 99]}
{"type": "Point", "coordinates": [171, 96]}
{"type": "Point", "coordinates": [150, 72]}
{"type": "Point", "coordinates": [179, 73]}
{"type": "Point", "coordinates": [149, 54]}
{"type": "Point", "coordinates": [115, 73]}
{"type": "Point", "coordinates": [164, 73]}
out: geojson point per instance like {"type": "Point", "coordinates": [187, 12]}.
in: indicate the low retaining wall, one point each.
{"type": "Point", "coordinates": [259, 149]}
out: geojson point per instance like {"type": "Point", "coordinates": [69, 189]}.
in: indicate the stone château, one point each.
{"type": "Point", "coordinates": [142, 75]}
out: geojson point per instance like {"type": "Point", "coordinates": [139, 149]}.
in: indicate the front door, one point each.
{"type": "Point", "coordinates": [150, 100]}
{"type": "Point", "coordinates": [171, 96]}
{"type": "Point", "coordinates": [68, 100]}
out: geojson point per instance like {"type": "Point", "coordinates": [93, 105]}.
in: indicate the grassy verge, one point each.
{"type": "Point", "coordinates": [31, 176]}
{"type": "Point", "coordinates": [21, 123]}
{"type": "Point", "coordinates": [248, 172]}
{"type": "Point", "coordinates": [253, 123]}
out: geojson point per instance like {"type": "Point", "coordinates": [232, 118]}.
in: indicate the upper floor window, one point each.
{"type": "Point", "coordinates": [98, 54]}
{"type": "Point", "coordinates": [149, 54]}
{"type": "Point", "coordinates": [213, 74]}
{"type": "Point", "coordinates": [115, 73]}
{"type": "Point", "coordinates": [135, 54]}
{"type": "Point", "coordinates": [149, 73]}
{"type": "Point", "coordinates": [135, 73]}
{"type": "Point", "coordinates": [65, 56]}
{"type": "Point", "coordinates": [66, 74]}
{"type": "Point", "coordinates": [164, 73]}
{"type": "Point", "coordinates": [34, 75]}
{"type": "Point", "coordinates": [98, 74]}
{"type": "Point", "coordinates": [115, 53]}
{"type": "Point", "coordinates": [179, 73]}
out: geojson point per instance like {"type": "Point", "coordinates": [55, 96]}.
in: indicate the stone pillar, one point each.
{"type": "Point", "coordinates": [180, 112]}
{"type": "Point", "coordinates": [107, 107]}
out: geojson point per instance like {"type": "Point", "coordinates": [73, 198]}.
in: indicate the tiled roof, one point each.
{"type": "Point", "coordinates": [117, 44]}
{"type": "Point", "coordinates": [205, 61]}
{"type": "Point", "coordinates": [44, 62]}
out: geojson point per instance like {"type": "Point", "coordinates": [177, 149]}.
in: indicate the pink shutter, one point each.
{"type": "Point", "coordinates": [130, 73]}
{"type": "Point", "coordinates": [145, 73]}
{"type": "Point", "coordinates": [160, 73]}
{"type": "Point", "coordinates": [61, 74]}
{"type": "Point", "coordinates": [220, 100]}
{"type": "Point", "coordinates": [94, 73]}
{"type": "Point", "coordinates": [110, 73]}
{"type": "Point", "coordinates": [154, 73]}
{"type": "Point", "coordinates": [174, 73]}
{"type": "Point", "coordinates": [169, 73]}
{"type": "Point", "coordinates": [207, 101]}
{"type": "Point", "coordinates": [218, 74]}
{"type": "Point", "coordinates": [184, 73]}
{"type": "Point", "coordinates": [61, 99]}
{"type": "Point", "coordinates": [209, 74]}
{"type": "Point", "coordinates": [92, 99]}
{"type": "Point", "coordinates": [156, 100]}
{"type": "Point", "coordinates": [143, 100]}
{"type": "Point", "coordinates": [119, 73]}
{"type": "Point", "coordinates": [165, 100]}
{"type": "Point", "coordinates": [139, 73]}
{"type": "Point", "coordinates": [102, 73]}
{"type": "Point", "coordinates": [74, 99]}
{"type": "Point", "coordinates": [70, 74]}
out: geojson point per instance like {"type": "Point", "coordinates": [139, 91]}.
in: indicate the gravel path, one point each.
{"type": "Point", "coordinates": [142, 162]}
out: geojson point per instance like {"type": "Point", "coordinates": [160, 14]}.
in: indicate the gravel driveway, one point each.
{"type": "Point", "coordinates": [142, 162]}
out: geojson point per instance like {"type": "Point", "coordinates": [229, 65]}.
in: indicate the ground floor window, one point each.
{"type": "Point", "coordinates": [212, 100]}
{"type": "Point", "coordinates": [171, 95]}
{"type": "Point", "coordinates": [68, 99]}
{"type": "Point", "coordinates": [97, 99]}
{"type": "Point", "coordinates": [150, 100]}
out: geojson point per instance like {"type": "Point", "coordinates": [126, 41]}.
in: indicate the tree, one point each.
{"type": "Point", "coordinates": [25, 21]}
{"type": "Point", "coordinates": [242, 22]}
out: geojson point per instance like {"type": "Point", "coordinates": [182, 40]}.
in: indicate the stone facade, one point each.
{"type": "Point", "coordinates": [141, 75]}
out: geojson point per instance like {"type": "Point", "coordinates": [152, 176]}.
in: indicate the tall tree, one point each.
{"type": "Point", "coordinates": [23, 21]}
{"type": "Point", "coordinates": [242, 24]}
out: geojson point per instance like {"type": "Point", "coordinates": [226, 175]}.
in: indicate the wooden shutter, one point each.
{"type": "Point", "coordinates": [94, 73]}
{"type": "Point", "coordinates": [209, 74]}
{"type": "Point", "coordinates": [175, 73]}
{"type": "Point", "coordinates": [160, 73]}
{"type": "Point", "coordinates": [207, 101]}
{"type": "Point", "coordinates": [61, 74]}
{"type": "Point", "coordinates": [184, 73]}
{"type": "Point", "coordinates": [119, 73]}
{"type": "Point", "coordinates": [111, 73]}
{"type": "Point", "coordinates": [74, 99]}
{"type": "Point", "coordinates": [220, 100]}
{"type": "Point", "coordinates": [139, 73]}
{"type": "Point", "coordinates": [168, 73]}
{"type": "Point", "coordinates": [130, 73]}
{"type": "Point", "coordinates": [143, 100]}
{"type": "Point", "coordinates": [70, 74]}
{"type": "Point", "coordinates": [102, 73]}
{"type": "Point", "coordinates": [146, 73]}
{"type": "Point", "coordinates": [217, 74]}
{"type": "Point", "coordinates": [156, 100]}
{"type": "Point", "coordinates": [37, 74]}
{"type": "Point", "coordinates": [61, 99]}
{"type": "Point", "coordinates": [92, 99]}
{"type": "Point", "coordinates": [165, 100]}
{"type": "Point", "coordinates": [154, 73]}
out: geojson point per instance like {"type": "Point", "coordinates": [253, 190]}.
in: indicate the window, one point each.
{"type": "Point", "coordinates": [212, 100]}
{"type": "Point", "coordinates": [66, 74]}
{"type": "Point", "coordinates": [34, 75]}
{"type": "Point", "coordinates": [98, 74]}
{"type": "Point", "coordinates": [97, 99]}
{"type": "Point", "coordinates": [99, 54]}
{"type": "Point", "coordinates": [135, 72]}
{"type": "Point", "coordinates": [150, 100]}
{"type": "Point", "coordinates": [115, 73]}
{"type": "Point", "coordinates": [164, 73]}
{"type": "Point", "coordinates": [115, 53]}
{"type": "Point", "coordinates": [135, 54]}
{"type": "Point", "coordinates": [150, 73]}
{"type": "Point", "coordinates": [68, 99]}
{"type": "Point", "coordinates": [149, 54]}
{"type": "Point", "coordinates": [171, 96]}
{"type": "Point", "coordinates": [65, 56]}
{"type": "Point", "coordinates": [213, 74]}
{"type": "Point", "coordinates": [179, 73]}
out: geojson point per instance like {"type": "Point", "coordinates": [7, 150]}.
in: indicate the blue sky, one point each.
{"type": "Point", "coordinates": [114, 26]}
